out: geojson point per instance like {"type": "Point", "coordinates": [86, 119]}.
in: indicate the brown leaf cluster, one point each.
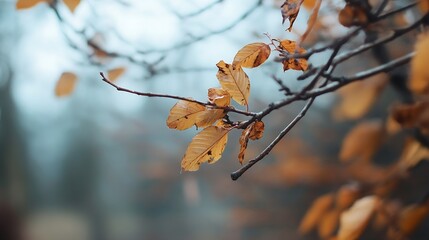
{"type": "Point", "coordinates": [291, 47]}
{"type": "Point", "coordinates": [290, 10]}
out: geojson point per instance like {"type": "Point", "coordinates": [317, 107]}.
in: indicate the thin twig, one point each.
{"type": "Point", "coordinates": [237, 174]}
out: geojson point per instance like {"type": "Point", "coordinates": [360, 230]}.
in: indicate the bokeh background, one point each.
{"type": "Point", "coordinates": [101, 164]}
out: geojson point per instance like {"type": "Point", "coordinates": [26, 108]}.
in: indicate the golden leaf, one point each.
{"type": "Point", "coordinates": [71, 4]}
{"type": "Point", "coordinates": [346, 196]}
{"type": "Point", "coordinates": [114, 74]}
{"type": "Point", "coordinates": [362, 141]}
{"type": "Point", "coordinates": [252, 55]}
{"type": "Point", "coordinates": [352, 15]}
{"type": "Point", "coordinates": [235, 81]}
{"type": "Point", "coordinates": [312, 20]}
{"type": "Point", "coordinates": [184, 114]}
{"type": "Point", "coordinates": [411, 217]}
{"type": "Point", "coordinates": [357, 98]}
{"type": "Point", "coordinates": [412, 154]}
{"type": "Point", "coordinates": [328, 223]}
{"type": "Point", "coordinates": [313, 216]}
{"type": "Point", "coordinates": [290, 10]}
{"type": "Point", "coordinates": [419, 74]}
{"type": "Point", "coordinates": [253, 131]}
{"type": "Point", "coordinates": [412, 115]}
{"type": "Point", "coordinates": [309, 3]}
{"type": "Point", "coordinates": [354, 220]}
{"type": "Point", "coordinates": [206, 146]}
{"type": "Point", "coordinates": [219, 96]}
{"type": "Point", "coordinates": [297, 64]}
{"type": "Point", "coordinates": [25, 4]}
{"type": "Point", "coordinates": [424, 6]}
{"type": "Point", "coordinates": [65, 84]}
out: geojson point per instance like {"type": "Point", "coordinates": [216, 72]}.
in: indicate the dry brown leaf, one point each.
{"type": "Point", "coordinates": [235, 81]}
{"type": "Point", "coordinates": [65, 84]}
{"type": "Point", "coordinates": [290, 10]}
{"type": "Point", "coordinates": [292, 48]}
{"type": "Point", "coordinates": [352, 15]}
{"type": "Point", "coordinates": [71, 4]}
{"type": "Point", "coordinates": [252, 55]}
{"type": "Point", "coordinates": [357, 98]}
{"type": "Point", "coordinates": [385, 213]}
{"type": "Point", "coordinates": [115, 73]}
{"type": "Point", "coordinates": [362, 141]}
{"type": "Point", "coordinates": [411, 217]}
{"type": "Point", "coordinates": [183, 115]}
{"type": "Point", "coordinates": [309, 4]}
{"type": "Point", "coordinates": [311, 21]}
{"type": "Point", "coordinates": [314, 215]}
{"type": "Point", "coordinates": [419, 74]}
{"type": "Point", "coordinates": [25, 4]}
{"type": "Point", "coordinates": [329, 223]}
{"type": "Point", "coordinates": [347, 195]}
{"type": "Point", "coordinates": [412, 154]}
{"type": "Point", "coordinates": [354, 220]}
{"type": "Point", "coordinates": [424, 6]}
{"type": "Point", "coordinates": [253, 131]}
{"type": "Point", "coordinates": [412, 115]}
{"type": "Point", "coordinates": [206, 146]}
{"type": "Point", "coordinates": [219, 96]}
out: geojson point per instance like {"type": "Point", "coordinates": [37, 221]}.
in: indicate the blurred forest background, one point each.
{"type": "Point", "coordinates": [101, 164]}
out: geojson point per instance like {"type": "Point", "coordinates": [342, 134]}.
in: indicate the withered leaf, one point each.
{"type": "Point", "coordinates": [65, 84]}
{"type": "Point", "coordinates": [352, 15]}
{"type": "Point", "coordinates": [411, 217]}
{"type": "Point", "coordinates": [347, 195]}
{"type": "Point", "coordinates": [313, 216]}
{"type": "Point", "coordinates": [424, 6]}
{"type": "Point", "coordinates": [252, 55]}
{"type": "Point", "coordinates": [206, 146]}
{"type": "Point", "coordinates": [253, 131]}
{"type": "Point", "coordinates": [412, 154]}
{"type": "Point", "coordinates": [312, 20]}
{"type": "Point", "coordinates": [24, 4]}
{"type": "Point", "coordinates": [71, 4]}
{"type": "Point", "coordinates": [419, 74]}
{"type": "Point", "coordinates": [328, 223]}
{"type": "Point", "coordinates": [235, 81]}
{"type": "Point", "coordinates": [184, 114]}
{"type": "Point", "coordinates": [354, 220]}
{"type": "Point", "coordinates": [290, 10]}
{"type": "Point", "coordinates": [291, 47]}
{"type": "Point", "coordinates": [362, 141]}
{"type": "Point", "coordinates": [115, 73]}
{"type": "Point", "coordinates": [219, 96]}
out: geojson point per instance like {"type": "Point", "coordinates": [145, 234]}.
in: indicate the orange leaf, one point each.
{"type": "Point", "coordinates": [290, 10]}
{"type": "Point", "coordinates": [206, 146]}
{"type": "Point", "coordinates": [252, 55]}
{"type": "Point", "coordinates": [65, 84]}
{"type": "Point", "coordinates": [71, 4]}
{"type": "Point", "coordinates": [346, 196]}
{"type": "Point", "coordinates": [354, 220]}
{"type": "Point", "coordinates": [309, 4]}
{"type": "Point", "coordinates": [25, 4]}
{"type": "Point", "coordinates": [253, 131]}
{"type": "Point", "coordinates": [313, 216]}
{"type": "Point", "coordinates": [291, 48]}
{"type": "Point", "coordinates": [352, 15]}
{"type": "Point", "coordinates": [219, 96]}
{"type": "Point", "coordinates": [311, 21]}
{"type": "Point", "coordinates": [184, 114]}
{"type": "Point", "coordinates": [235, 81]}
{"type": "Point", "coordinates": [362, 141]}
{"type": "Point", "coordinates": [424, 6]}
{"type": "Point", "coordinates": [114, 74]}
{"type": "Point", "coordinates": [328, 223]}
{"type": "Point", "coordinates": [411, 217]}
{"type": "Point", "coordinates": [419, 75]}
{"type": "Point", "coordinates": [412, 154]}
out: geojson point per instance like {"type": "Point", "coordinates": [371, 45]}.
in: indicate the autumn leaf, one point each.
{"type": "Point", "coordinates": [114, 74]}
{"type": "Point", "coordinates": [419, 74]}
{"type": "Point", "coordinates": [206, 146]}
{"type": "Point", "coordinates": [252, 55]}
{"type": "Point", "coordinates": [219, 96]}
{"type": "Point", "coordinates": [290, 10]}
{"type": "Point", "coordinates": [328, 223]}
{"type": "Point", "coordinates": [412, 115]}
{"type": "Point", "coordinates": [346, 196]}
{"type": "Point", "coordinates": [253, 131]}
{"type": "Point", "coordinates": [357, 98]}
{"type": "Point", "coordinates": [71, 4]}
{"type": "Point", "coordinates": [424, 6]}
{"type": "Point", "coordinates": [411, 217]}
{"type": "Point", "coordinates": [184, 114]}
{"type": "Point", "coordinates": [362, 141]}
{"type": "Point", "coordinates": [354, 220]}
{"type": "Point", "coordinates": [314, 215]}
{"type": "Point", "coordinates": [412, 154]}
{"type": "Point", "coordinates": [291, 47]}
{"type": "Point", "coordinates": [65, 84]}
{"type": "Point", "coordinates": [235, 81]}
{"type": "Point", "coordinates": [352, 15]}
{"type": "Point", "coordinates": [309, 4]}
{"type": "Point", "coordinates": [25, 4]}
{"type": "Point", "coordinates": [311, 21]}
